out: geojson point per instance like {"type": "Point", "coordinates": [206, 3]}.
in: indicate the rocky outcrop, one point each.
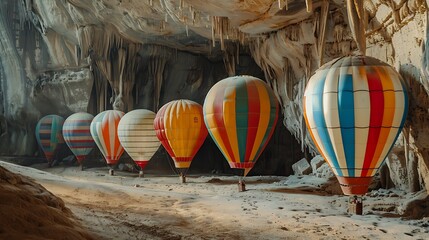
{"type": "Point", "coordinates": [29, 211]}
{"type": "Point", "coordinates": [302, 167]}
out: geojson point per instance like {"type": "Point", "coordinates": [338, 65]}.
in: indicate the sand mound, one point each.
{"type": "Point", "coordinates": [29, 211]}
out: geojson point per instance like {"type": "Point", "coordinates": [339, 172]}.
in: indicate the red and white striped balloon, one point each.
{"type": "Point", "coordinates": [104, 131]}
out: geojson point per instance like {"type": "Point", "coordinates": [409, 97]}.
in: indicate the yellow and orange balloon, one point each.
{"type": "Point", "coordinates": [179, 125]}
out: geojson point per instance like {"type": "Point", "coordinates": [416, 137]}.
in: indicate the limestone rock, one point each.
{"type": "Point", "coordinates": [324, 171]}
{"type": "Point", "coordinates": [316, 163]}
{"type": "Point", "coordinates": [302, 167]}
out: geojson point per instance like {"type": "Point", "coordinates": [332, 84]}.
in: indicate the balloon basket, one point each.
{"type": "Point", "coordinates": [111, 172]}
{"type": "Point", "coordinates": [141, 174]}
{"type": "Point", "coordinates": [241, 186]}
{"type": "Point", "coordinates": [355, 205]}
{"type": "Point", "coordinates": [182, 178]}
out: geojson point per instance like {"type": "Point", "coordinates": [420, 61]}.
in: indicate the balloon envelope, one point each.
{"type": "Point", "coordinates": [355, 108]}
{"type": "Point", "coordinates": [180, 128]}
{"type": "Point", "coordinates": [77, 135]}
{"type": "Point", "coordinates": [49, 134]}
{"type": "Point", "coordinates": [241, 113]}
{"type": "Point", "coordinates": [137, 135]}
{"type": "Point", "coordinates": [104, 132]}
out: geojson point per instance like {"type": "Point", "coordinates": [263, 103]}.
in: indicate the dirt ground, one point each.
{"type": "Point", "coordinates": [125, 206]}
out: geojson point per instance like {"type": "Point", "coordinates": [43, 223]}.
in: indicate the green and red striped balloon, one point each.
{"type": "Point", "coordinates": [241, 114]}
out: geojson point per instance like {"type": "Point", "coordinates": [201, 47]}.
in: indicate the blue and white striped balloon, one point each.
{"type": "Point", "coordinates": [355, 108]}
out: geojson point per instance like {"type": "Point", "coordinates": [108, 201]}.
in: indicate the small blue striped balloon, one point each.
{"type": "Point", "coordinates": [77, 134]}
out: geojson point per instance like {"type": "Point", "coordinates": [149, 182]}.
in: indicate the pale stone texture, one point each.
{"type": "Point", "coordinates": [316, 163]}
{"type": "Point", "coordinates": [302, 167]}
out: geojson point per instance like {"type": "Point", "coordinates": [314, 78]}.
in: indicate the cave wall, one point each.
{"type": "Point", "coordinates": [75, 55]}
{"type": "Point", "coordinates": [34, 81]}
{"type": "Point", "coordinates": [394, 32]}
{"type": "Point", "coordinates": [62, 73]}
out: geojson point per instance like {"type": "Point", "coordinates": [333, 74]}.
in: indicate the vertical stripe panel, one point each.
{"type": "Point", "coordinates": [167, 119]}
{"type": "Point", "coordinates": [312, 126]}
{"type": "Point", "coordinates": [267, 119]}
{"type": "Point", "coordinates": [242, 116]}
{"type": "Point", "coordinates": [119, 150]}
{"type": "Point", "coordinates": [229, 119]}
{"type": "Point", "coordinates": [320, 124]}
{"type": "Point", "coordinates": [308, 117]}
{"type": "Point", "coordinates": [53, 138]}
{"type": "Point", "coordinates": [376, 116]}
{"type": "Point", "coordinates": [265, 116]}
{"type": "Point", "coordinates": [107, 132]}
{"type": "Point", "coordinates": [210, 117]}
{"type": "Point", "coordinates": [362, 113]}
{"type": "Point", "coordinates": [159, 125]}
{"type": "Point", "coordinates": [331, 114]}
{"type": "Point", "coordinates": [401, 110]}
{"type": "Point", "coordinates": [388, 114]}
{"type": "Point", "coordinates": [255, 113]}
{"type": "Point", "coordinates": [219, 113]}
{"type": "Point", "coordinates": [347, 120]}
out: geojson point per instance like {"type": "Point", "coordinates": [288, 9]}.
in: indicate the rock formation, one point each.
{"type": "Point", "coordinates": [47, 219]}
{"type": "Point", "coordinates": [78, 55]}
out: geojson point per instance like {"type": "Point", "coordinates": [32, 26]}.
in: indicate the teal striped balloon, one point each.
{"type": "Point", "coordinates": [49, 135]}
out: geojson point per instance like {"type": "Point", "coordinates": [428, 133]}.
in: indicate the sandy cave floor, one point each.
{"type": "Point", "coordinates": [210, 207]}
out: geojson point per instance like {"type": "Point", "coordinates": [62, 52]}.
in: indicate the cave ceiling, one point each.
{"type": "Point", "coordinates": [192, 25]}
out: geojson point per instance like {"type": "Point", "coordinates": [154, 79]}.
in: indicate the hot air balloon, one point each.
{"type": "Point", "coordinates": [180, 128]}
{"type": "Point", "coordinates": [77, 135]}
{"type": "Point", "coordinates": [240, 114]}
{"type": "Point", "coordinates": [104, 132]}
{"type": "Point", "coordinates": [137, 135]}
{"type": "Point", "coordinates": [49, 135]}
{"type": "Point", "coordinates": [355, 108]}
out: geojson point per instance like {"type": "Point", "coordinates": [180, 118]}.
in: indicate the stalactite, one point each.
{"type": "Point", "coordinates": [219, 26]}
{"type": "Point", "coordinates": [182, 4]}
{"type": "Point", "coordinates": [320, 35]}
{"type": "Point", "coordinates": [282, 3]}
{"type": "Point", "coordinates": [158, 59]}
{"type": "Point", "coordinates": [213, 31]}
{"type": "Point", "coordinates": [309, 4]}
{"type": "Point", "coordinates": [230, 58]}
{"type": "Point", "coordinates": [100, 89]}
{"type": "Point", "coordinates": [357, 25]}
{"type": "Point", "coordinates": [156, 69]}
{"type": "Point", "coordinates": [162, 27]}
{"type": "Point", "coordinates": [222, 29]}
